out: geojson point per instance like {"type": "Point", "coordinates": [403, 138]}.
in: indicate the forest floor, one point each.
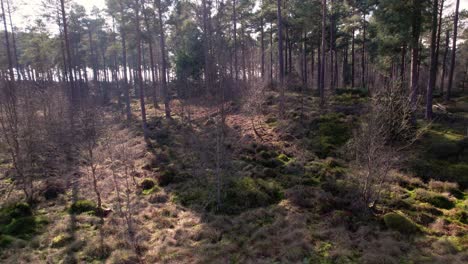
{"type": "Point", "coordinates": [287, 192]}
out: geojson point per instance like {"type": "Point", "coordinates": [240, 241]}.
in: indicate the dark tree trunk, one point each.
{"type": "Point", "coordinates": [139, 73]}
{"type": "Point", "coordinates": [454, 52]}
{"type": "Point", "coordinates": [262, 44]}
{"type": "Point", "coordinates": [415, 34]}
{"type": "Point", "coordinates": [15, 49]}
{"type": "Point", "coordinates": [151, 57]}
{"type": "Point", "coordinates": [353, 58]}
{"type": "Point", "coordinates": [433, 70]}
{"type": "Point", "coordinates": [67, 49]}
{"type": "Point", "coordinates": [444, 62]}
{"type": "Point", "coordinates": [280, 56]}
{"type": "Point", "coordinates": [163, 62]}
{"type": "Point", "coordinates": [322, 65]}
{"type": "Point", "coordinates": [363, 54]}
{"type": "Point", "coordinates": [236, 76]}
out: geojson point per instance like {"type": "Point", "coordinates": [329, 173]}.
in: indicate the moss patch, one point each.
{"type": "Point", "coordinates": [400, 223]}
{"type": "Point", "coordinates": [83, 206]}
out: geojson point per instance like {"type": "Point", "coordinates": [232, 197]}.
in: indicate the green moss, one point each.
{"type": "Point", "coordinates": [83, 206]}
{"type": "Point", "coordinates": [192, 195]}
{"type": "Point", "coordinates": [283, 157]}
{"type": "Point", "coordinates": [60, 240]}
{"type": "Point", "coordinates": [18, 210]}
{"type": "Point", "coordinates": [433, 198]}
{"type": "Point", "coordinates": [17, 220]}
{"type": "Point", "coordinates": [6, 240]}
{"type": "Point", "coordinates": [332, 134]}
{"type": "Point", "coordinates": [400, 223]}
{"type": "Point", "coordinates": [247, 192]}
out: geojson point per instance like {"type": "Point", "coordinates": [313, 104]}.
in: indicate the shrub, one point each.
{"type": "Point", "coordinates": [400, 223]}
{"type": "Point", "coordinates": [83, 206]}
{"type": "Point", "coordinates": [435, 199]}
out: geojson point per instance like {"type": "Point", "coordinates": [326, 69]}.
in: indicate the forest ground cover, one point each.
{"type": "Point", "coordinates": [288, 192]}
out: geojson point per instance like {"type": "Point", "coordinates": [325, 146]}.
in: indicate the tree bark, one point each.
{"type": "Point", "coordinates": [74, 98]}
{"type": "Point", "coordinates": [444, 64]}
{"type": "Point", "coordinates": [280, 56]}
{"type": "Point", "coordinates": [433, 70]}
{"type": "Point", "coordinates": [454, 52]}
{"type": "Point", "coordinates": [415, 34]}
{"type": "Point", "coordinates": [322, 64]}
{"type": "Point", "coordinates": [139, 73]}
{"type": "Point", "coordinates": [163, 62]}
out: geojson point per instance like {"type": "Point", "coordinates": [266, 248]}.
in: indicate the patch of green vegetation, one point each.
{"type": "Point", "coordinates": [60, 240]}
{"type": "Point", "coordinates": [6, 240]}
{"type": "Point", "coordinates": [284, 158]}
{"type": "Point", "coordinates": [83, 206]}
{"type": "Point", "coordinates": [433, 198]}
{"type": "Point", "coordinates": [361, 92]}
{"type": "Point", "coordinates": [17, 220]}
{"type": "Point", "coordinates": [440, 170]}
{"type": "Point", "coordinates": [246, 192]}
{"type": "Point", "coordinates": [332, 134]}
{"type": "Point", "coordinates": [400, 223]}
{"type": "Point", "coordinates": [148, 186]}
{"type": "Point", "coordinates": [326, 169]}
{"type": "Point", "coordinates": [193, 195]}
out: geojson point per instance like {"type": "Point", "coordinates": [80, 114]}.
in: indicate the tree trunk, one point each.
{"type": "Point", "coordinates": [363, 54]}
{"type": "Point", "coordinates": [322, 64]}
{"type": "Point", "coordinates": [140, 76]}
{"type": "Point", "coordinates": [280, 56]}
{"type": "Point", "coordinates": [415, 33]}
{"type": "Point", "coordinates": [67, 50]}
{"type": "Point", "coordinates": [454, 52]}
{"type": "Point", "coordinates": [152, 70]}
{"type": "Point", "coordinates": [444, 64]}
{"type": "Point", "coordinates": [163, 62]}
{"type": "Point", "coordinates": [262, 44]}
{"type": "Point", "coordinates": [353, 41]}
{"type": "Point", "coordinates": [236, 77]}
{"type": "Point", "coordinates": [433, 70]}
{"type": "Point", "coordinates": [15, 49]}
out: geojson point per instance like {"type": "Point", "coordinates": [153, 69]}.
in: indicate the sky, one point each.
{"type": "Point", "coordinates": [28, 10]}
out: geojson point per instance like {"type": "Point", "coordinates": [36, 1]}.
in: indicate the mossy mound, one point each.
{"type": "Point", "coordinates": [332, 134]}
{"type": "Point", "coordinates": [246, 192]}
{"type": "Point", "coordinates": [83, 206]}
{"type": "Point", "coordinates": [433, 198]}
{"type": "Point", "coordinates": [17, 220]}
{"type": "Point", "coordinates": [400, 223]}
{"type": "Point", "coordinates": [60, 240]}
